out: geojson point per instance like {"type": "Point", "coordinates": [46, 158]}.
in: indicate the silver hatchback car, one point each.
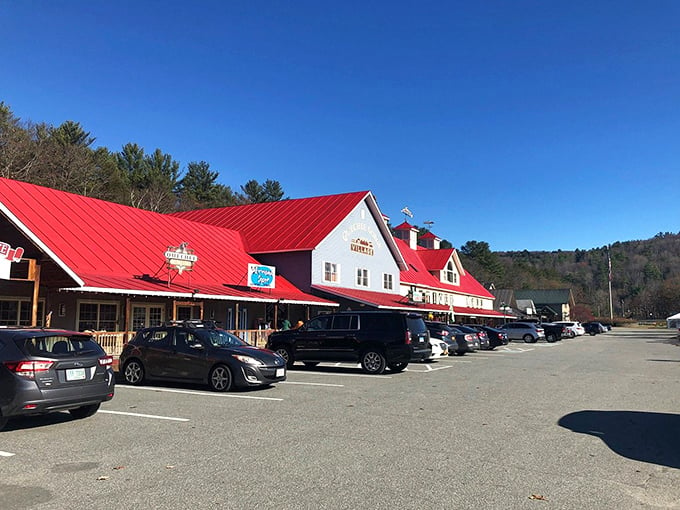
{"type": "Point", "coordinates": [527, 331]}
{"type": "Point", "coordinates": [48, 370]}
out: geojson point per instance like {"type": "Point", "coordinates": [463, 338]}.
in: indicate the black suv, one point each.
{"type": "Point", "coordinates": [47, 370]}
{"type": "Point", "coordinates": [375, 339]}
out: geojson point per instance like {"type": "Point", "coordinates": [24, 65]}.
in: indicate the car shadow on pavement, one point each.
{"type": "Point", "coordinates": [37, 421]}
{"type": "Point", "coordinates": [644, 436]}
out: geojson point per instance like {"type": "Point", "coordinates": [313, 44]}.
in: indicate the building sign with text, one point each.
{"type": "Point", "coordinates": [363, 246]}
{"type": "Point", "coordinates": [263, 277]}
{"type": "Point", "coordinates": [7, 256]}
{"type": "Point", "coordinates": [180, 258]}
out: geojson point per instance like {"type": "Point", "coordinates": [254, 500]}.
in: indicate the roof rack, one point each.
{"type": "Point", "coordinates": [194, 323]}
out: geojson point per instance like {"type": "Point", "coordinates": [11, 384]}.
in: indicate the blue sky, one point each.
{"type": "Point", "coordinates": [537, 125]}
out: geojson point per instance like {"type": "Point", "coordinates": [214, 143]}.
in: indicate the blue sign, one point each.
{"type": "Point", "coordinates": [261, 276]}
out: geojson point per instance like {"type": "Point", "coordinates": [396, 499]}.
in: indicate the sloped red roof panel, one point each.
{"type": "Point", "coordinates": [286, 225]}
{"type": "Point", "coordinates": [114, 246]}
{"type": "Point", "coordinates": [478, 312]}
{"type": "Point", "coordinates": [435, 260]}
{"type": "Point", "coordinates": [381, 299]}
{"type": "Point", "coordinates": [418, 272]}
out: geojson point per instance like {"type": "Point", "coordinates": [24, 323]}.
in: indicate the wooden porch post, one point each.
{"type": "Point", "coordinates": [34, 274]}
{"type": "Point", "coordinates": [236, 324]}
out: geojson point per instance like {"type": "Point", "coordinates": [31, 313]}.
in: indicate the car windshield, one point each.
{"type": "Point", "coordinates": [221, 338]}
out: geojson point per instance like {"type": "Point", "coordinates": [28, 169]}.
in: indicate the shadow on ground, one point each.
{"type": "Point", "coordinates": [644, 436]}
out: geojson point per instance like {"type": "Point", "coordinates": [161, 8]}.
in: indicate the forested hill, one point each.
{"type": "Point", "coordinates": [645, 274]}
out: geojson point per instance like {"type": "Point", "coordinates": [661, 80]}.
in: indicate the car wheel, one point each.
{"type": "Point", "coordinates": [133, 372]}
{"type": "Point", "coordinates": [572, 334]}
{"type": "Point", "coordinates": [220, 378]}
{"type": "Point", "coordinates": [373, 362]}
{"type": "Point", "coordinates": [550, 337]}
{"type": "Point", "coordinates": [528, 339]}
{"type": "Point", "coordinates": [84, 412]}
{"type": "Point", "coordinates": [398, 367]}
{"type": "Point", "coordinates": [287, 356]}
{"type": "Point", "coordinates": [311, 363]}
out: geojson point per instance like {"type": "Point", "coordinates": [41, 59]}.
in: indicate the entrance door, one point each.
{"type": "Point", "coordinates": [147, 316]}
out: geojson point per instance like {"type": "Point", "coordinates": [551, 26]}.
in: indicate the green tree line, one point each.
{"type": "Point", "coordinates": [644, 274]}
{"type": "Point", "coordinates": [63, 157]}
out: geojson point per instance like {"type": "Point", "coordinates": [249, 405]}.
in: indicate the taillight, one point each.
{"type": "Point", "coordinates": [445, 333]}
{"type": "Point", "coordinates": [28, 368]}
{"type": "Point", "coordinates": [105, 360]}
{"type": "Point", "coordinates": [407, 340]}
{"type": "Point", "coordinates": [469, 337]}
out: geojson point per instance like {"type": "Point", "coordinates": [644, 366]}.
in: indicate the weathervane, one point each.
{"type": "Point", "coordinates": [407, 212]}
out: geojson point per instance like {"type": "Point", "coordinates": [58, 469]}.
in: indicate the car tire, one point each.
{"type": "Point", "coordinates": [528, 339]}
{"type": "Point", "coordinates": [133, 372]}
{"type": "Point", "coordinates": [311, 363]}
{"type": "Point", "coordinates": [220, 378]}
{"type": "Point", "coordinates": [84, 412]}
{"type": "Point", "coordinates": [398, 367]}
{"type": "Point", "coordinates": [373, 361]}
{"type": "Point", "coordinates": [571, 334]}
{"type": "Point", "coordinates": [550, 338]}
{"type": "Point", "coordinates": [286, 354]}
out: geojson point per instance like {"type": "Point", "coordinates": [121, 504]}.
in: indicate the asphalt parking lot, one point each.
{"type": "Point", "coordinates": [590, 422]}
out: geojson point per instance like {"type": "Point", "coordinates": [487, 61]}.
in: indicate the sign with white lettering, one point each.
{"type": "Point", "coordinates": [7, 256]}
{"type": "Point", "coordinates": [261, 276]}
{"type": "Point", "coordinates": [180, 258]}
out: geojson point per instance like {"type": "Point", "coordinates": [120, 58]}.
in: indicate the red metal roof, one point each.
{"type": "Point", "coordinates": [418, 272]}
{"type": "Point", "coordinates": [478, 312]}
{"type": "Point", "coordinates": [435, 260]}
{"type": "Point", "coordinates": [111, 247]}
{"type": "Point", "coordinates": [381, 299]}
{"type": "Point", "coordinates": [288, 225]}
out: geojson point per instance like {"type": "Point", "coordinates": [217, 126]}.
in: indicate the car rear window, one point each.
{"type": "Point", "coordinates": [416, 325]}
{"type": "Point", "coordinates": [385, 323]}
{"type": "Point", "coordinates": [59, 346]}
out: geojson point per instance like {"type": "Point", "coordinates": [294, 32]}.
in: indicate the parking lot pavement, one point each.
{"type": "Point", "coordinates": [590, 424]}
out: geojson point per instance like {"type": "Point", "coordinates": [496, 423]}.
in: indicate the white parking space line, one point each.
{"type": "Point", "coordinates": [202, 393]}
{"type": "Point", "coordinates": [139, 415]}
{"type": "Point", "coordinates": [331, 374]}
{"type": "Point", "coordinates": [6, 454]}
{"type": "Point", "coordinates": [428, 368]}
{"type": "Point", "coordinates": [516, 351]}
{"type": "Point", "coordinates": [313, 384]}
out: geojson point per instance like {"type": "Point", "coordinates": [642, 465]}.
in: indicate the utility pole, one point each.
{"type": "Point", "coordinates": [611, 304]}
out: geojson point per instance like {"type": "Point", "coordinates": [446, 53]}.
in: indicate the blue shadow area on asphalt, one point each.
{"type": "Point", "coordinates": [638, 435]}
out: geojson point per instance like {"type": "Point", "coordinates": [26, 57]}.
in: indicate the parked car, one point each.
{"type": "Point", "coordinates": [594, 328]}
{"type": "Point", "coordinates": [439, 348]}
{"type": "Point", "coordinates": [199, 352]}
{"type": "Point", "coordinates": [459, 342]}
{"type": "Point", "coordinates": [553, 332]}
{"type": "Point", "coordinates": [497, 337]}
{"type": "Point", "coordinates": [47, 370]}
{"type": "Point", "coordinates": [574, 328]}
{"type": "Point", "coordinates": [376, 339]}
{"type": "Point", "coordinates": [528, 331]}
{"type": "Point", "coordinates": [481, 335]}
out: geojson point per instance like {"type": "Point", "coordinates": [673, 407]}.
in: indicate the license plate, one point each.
{"type": "Point", "coordinates": [280, 372]}
{"type": "Point", "coordinates": [75, 374]}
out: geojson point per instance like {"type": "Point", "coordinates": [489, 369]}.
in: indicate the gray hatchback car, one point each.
{"type": "Point", "coordinates": [48, 370]}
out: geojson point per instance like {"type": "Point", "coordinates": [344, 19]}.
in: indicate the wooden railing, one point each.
{"type": "Point", "coordinates": [112, 342]}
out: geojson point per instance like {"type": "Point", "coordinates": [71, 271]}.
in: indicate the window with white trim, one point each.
{"type": "Point", "coordinates": [362, 277]}
{"type": "Point", "coordinates": [18, 312]}
{"type": "Point", "coordinates": [449, 273]}
{"type": "Point", "coordinates": [97, 316]}
{"type": "Point", "coordinates": [331, 272]}
{"type": "Point", "coordinates": [388, 281]}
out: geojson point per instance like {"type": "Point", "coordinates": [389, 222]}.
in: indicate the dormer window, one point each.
{"type": "Point", "coordinates": [450, 274]}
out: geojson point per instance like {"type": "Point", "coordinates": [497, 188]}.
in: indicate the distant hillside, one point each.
{"type": "Point", "coordinates": [645, 274]}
